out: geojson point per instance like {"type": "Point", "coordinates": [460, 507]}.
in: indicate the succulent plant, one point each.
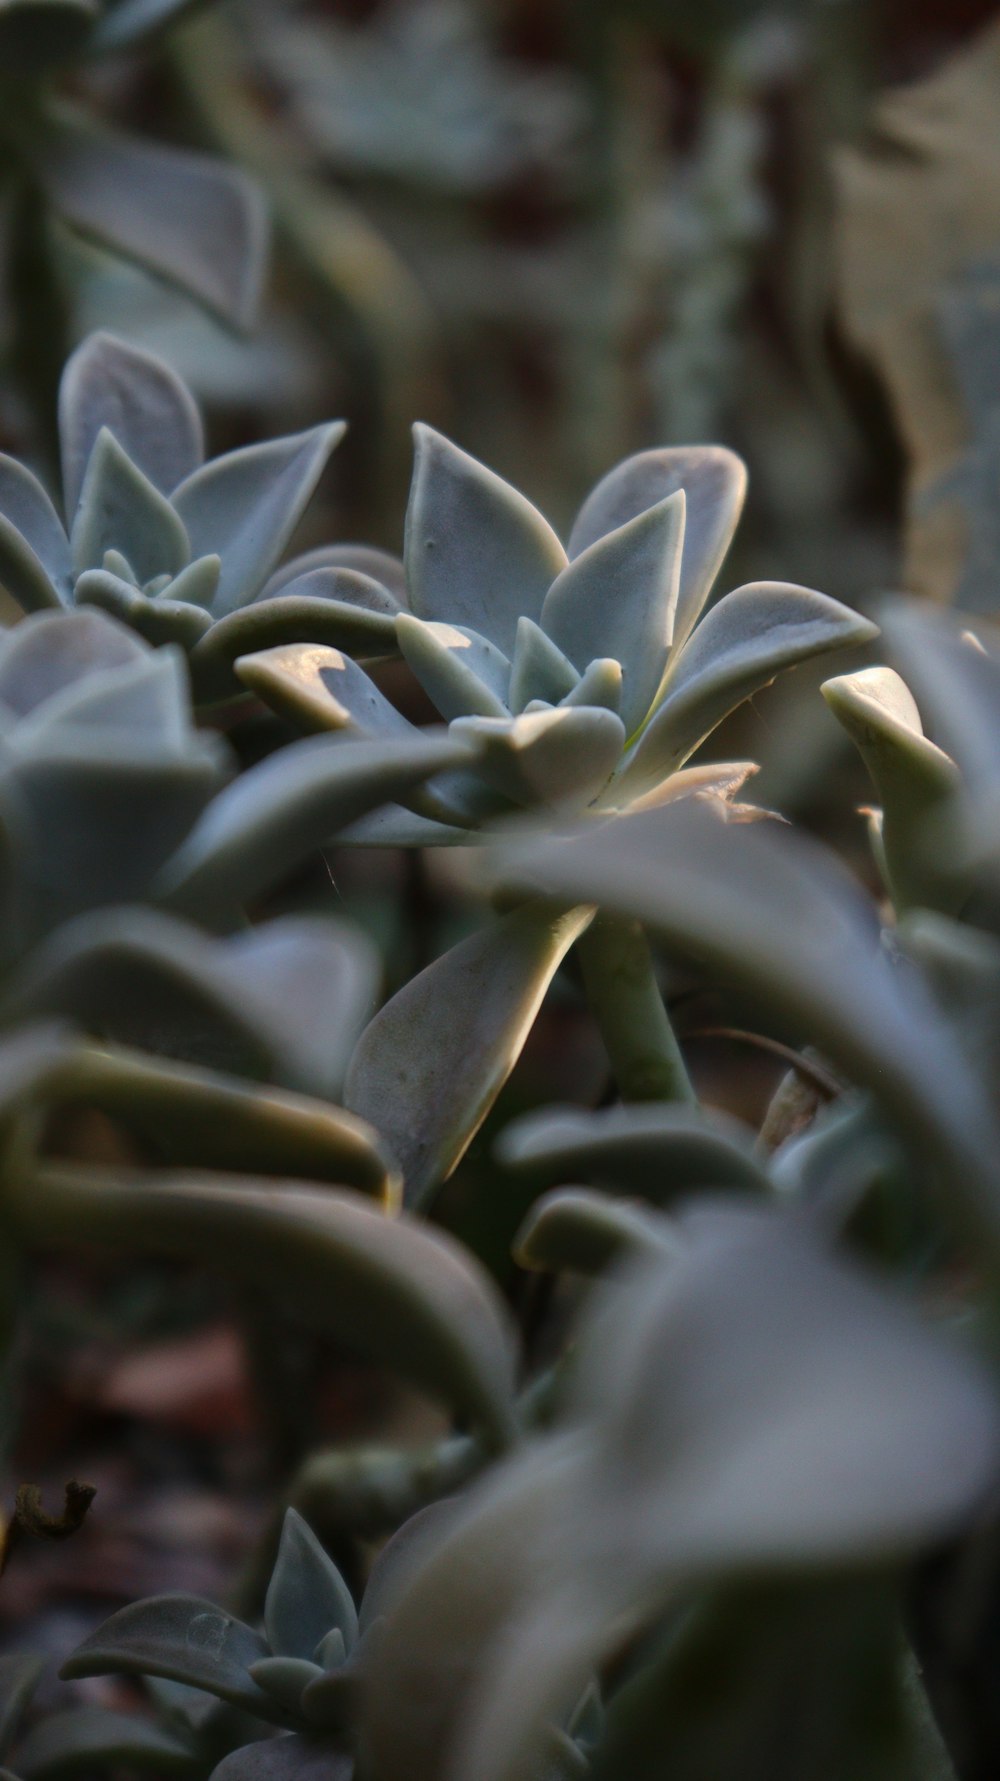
{"type": "Point", "coordinates": [189, 219]}
{"type": "Point", "coordinates": [182, 551]}
{"type": "Point", "coordinates": [583, 675]}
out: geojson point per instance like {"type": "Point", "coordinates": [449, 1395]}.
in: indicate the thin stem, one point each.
{"type": "Point", "coordinates": [621, 987]}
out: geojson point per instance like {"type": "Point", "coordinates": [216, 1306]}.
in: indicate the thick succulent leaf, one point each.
{"type": "Point", "coordinates": [120, 509]}
{"type": "Point", "coordinates": [753, 1403]}
{"type": "Point", "coordinates": [773, 914]}
{"type": "Point", "coordinates": [430, 1065]}
{"type": "Point", "coordinates": [19, 1674]}
{"type": "Point", "coordinates": [185, 1639]}
{"type": "Point", "coordinates": [599, 684]}
{"type": "Point", "coordinates": [189, 219]}
{"type": "Point", "coordinates": [291, 1758]}
{"type": "Point", "coordinates": [100, 824]}
{"type": "Point", "coordinates": [47, 652]}
{"type": "Point", "coordinates": [283, 1002]}
{"type": "Point", "coordinates": [192, 1116]}
{"type": "Point", "coordinates": [656, 1150]}
{"type": "Point", "coordinates": [140, 400]}
{"type": "Point", "coordinates": [318, 688]}
{"type": "Point", "coordinates": [583, 1232]}
{"type": "Point", "coordinates": [403, 1295]}
{"type": "Point", "coordinates": [277, 813]}
{"type": "Point", "coordinates": [82, 1739]}
{"type": "Point", "coordinates": [245, 506]}
{"type": "Point", "coordinates": [26, 507]}
{"type": "Point", "coordinates": [712, 779]}
{"type": "Point", "coordinates": [617, 598]}
{"type": "Point", "coordinates": [157, 621]}
{"type": "Point", "coordinates": [395, 827]}
{"type": "Point", "coordinates": [546, 757]}
{"type": "Point", "coordinates": [477, 552]}
{"type": "Point", "coordinates": [714, 483]}
{"type": "Point", "coordinates": [196, 585]}
{"type": "Point", "coordinates": [956, 678]}
{"type": "Point", "coordinates": [292, 619]}
{"type": "Point", "coordinates": [306, 1597]}
{"type": "Point", "coordinates": [539, 670]}
{"type": "Point", "coordinates": [739, 647]}
{"type": "Point", "coordinates": [365, 560]}
{"type": "Point", "coordinates": [23, 576]}
{"type": "Point", "coordinates": [913, 779]}
{"type": "Point", "coordinates": [462, 673]}
{"type": "Point", "coordinates": [286, 1678]}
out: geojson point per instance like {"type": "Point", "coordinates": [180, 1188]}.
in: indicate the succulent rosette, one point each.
{"type": "Point", "coordinates": [181, 550]}
{"type": "Point", "coordinates": [585, 675]}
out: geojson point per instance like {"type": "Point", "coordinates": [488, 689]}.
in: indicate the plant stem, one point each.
{"type": "Point", "coordinates": [621, 987]}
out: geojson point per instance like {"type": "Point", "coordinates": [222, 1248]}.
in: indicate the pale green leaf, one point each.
{"type": "Point", "coordinates": [120, 509]}
{"type": "Point", "coordinates": [462, 673]}
{"type": "Point", "coordinates": [140, 400]}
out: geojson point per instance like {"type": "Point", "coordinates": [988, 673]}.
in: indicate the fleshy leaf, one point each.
{"type": "Point", "coordinates": [142, 402]}
{"type": "Point", "coordinates": [739, 647]}
{"type": "Point", "coordinates": [184, 1639]}
{"type": "Point", "coordinates": [539, 669]}
{"type": "Point", "coordinates": [957, 681]}
{"type": "Point", "coordinates": [913, 779]}
{"type": "Point", "coordinates": [22, 575]}
{"type": "Point", "coordinates": [81, 1740]}
{"type": "Point", "coordinates": [405, 1296]}
{"type": "Point", "coordinates": [546, 757]}
{"type": "Point", "coordinates": [365, 560]}
{"type": "Point", "coordinates": [47, 652]}
{"type": "Point", "coordinates": [599, 684]}
{"type": "Point", "coordinates": [462, 673]}
{"type": "Point", "coordinates": [157, 620]}
{"type": "Point", "coordinates": [191, 220]}
{"type": "Point", "coordinates": [659, 1151]}
{"type": "Point", "coordinates": [430, 1065]}
{"type": "Point", "coordinates": [121, 510]}
{"type": "Point", "coordinates": [245, 506]}
{"type": "Point", "coordinates": [25, 505]}
{"type": "Point", "coordinates": [319, 688]}
{"type": "Point", "coordinates": [292, 618]}
{"type": "Point", "coordinates": [714, 482]}
{"type": "Point", "coordinates": [583, 1232]}
{"type": "Point", "coordinates": [477, 552]}
{"type": "Point", "coordinates": [290, 1758]}
{"type": "Point", "coordinates": [306, 1597]}
{"type": "Point", "coordinates": [286, 1678]}
{"type": "Point", "coordinates": [260, 827]}
{"type": "Point", "coordinates": [715, 890]}
{"type": "Point", "coordinates": [617, 598]}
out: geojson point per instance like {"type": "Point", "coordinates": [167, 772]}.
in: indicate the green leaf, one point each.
{"type": "Point", "coordinates": [956, 678]}
{"type": "Point", "coordinates": [477, 552]}
{"type": "Point", "coordinates": [617, 598]}
{"type": "Point", "coordinates": [599, 684]}
{"type": "Point", "coordinates": [365, 560]}
{"type": "Point", "coordinates": [202, 1118]}
{"type": "Point", "coordinates": [914, 779]}
{"type": "Point", "coordinates": [187, 218]}
{"type": "Point", "coordinates": [245, 506]}
{"type": "Point", "coordinates": [739, 647]}
{"type": "Point", "coordinates": [82, 1739]}
{"type": "Point", "coordinates": [184, 1639]}
{"type": "Point", "coordinates": [583, 1232]}
{"type": "Point", "coordinates": [430, 1065]}
{"type": "Point", "coordinates": [19, 1670]}
{"type": "Point", "coordinates": [283, 1002]}
{"type": "Point", "coordinates": [658, 1151]}
{"type": "Point", "coordinates": [318, 688]}
{"type": "Point", "coordinates": [462, 673]}
{"type": "Point", "coordinates": [714, 483]}
{"type": "Point", "coordinates": [121, 510]}
{"type": "Point", "coordinates": [286, 1678]}
{"type": "Point", "coordinates": [46, 653]}
{"type": "Point", "coordinates": [146, 698]}
{"type": "Point", "coordinates": [306, 1597]}
{"type": "Point", "coordinates": [277, 813]}
{"type": "Point", "coordinates": [26, 507]}
{"type": "Point", "coordinates": [713, 889]}
{"type": "Point", "coordinates": [140, 400]}
{"type": "Point", "coordinates": [157, 621]}
{"type": "Point", "coordinates": [333, 607]}
{"type": "Point", "coordinates": [292, 1758]}
{"type": "Point", "coordinates": [539, 670]}
{"type": "Point", "coordinates": [545, 757]}
{"type": "Point", "coordinates": [22, 575]}
{"type": "Point", "coordinates": [401, 1294]}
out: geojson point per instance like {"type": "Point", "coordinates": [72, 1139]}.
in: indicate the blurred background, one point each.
{"type": "Point", "coordinates": [561, 231]}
